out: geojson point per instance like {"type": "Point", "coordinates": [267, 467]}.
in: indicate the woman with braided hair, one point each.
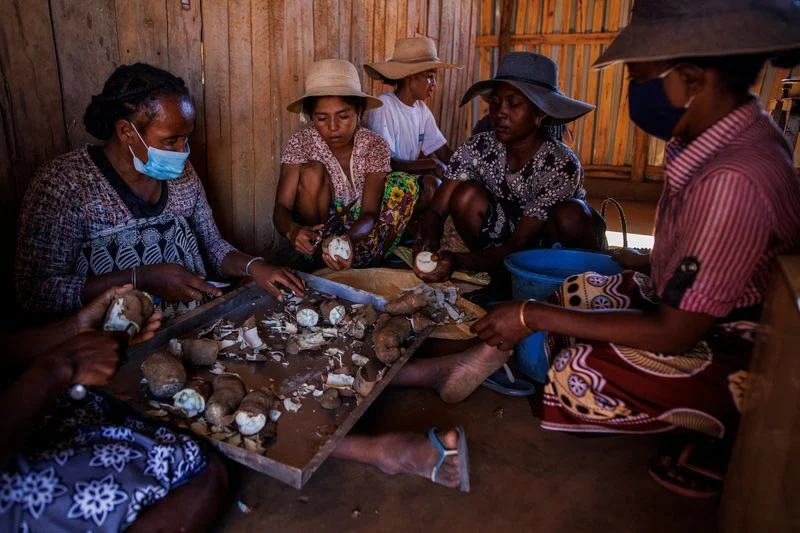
{"type": "Point", "coordinates": [130, 211]}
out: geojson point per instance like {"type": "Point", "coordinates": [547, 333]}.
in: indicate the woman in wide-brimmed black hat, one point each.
{"type": "Point", "coordinates": [666, 345]}
{"type": "Point", "coordinates": [515, 187]}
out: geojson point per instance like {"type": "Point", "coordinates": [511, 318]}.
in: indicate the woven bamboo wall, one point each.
{"type": "Point", "coordinates": [620, 159]}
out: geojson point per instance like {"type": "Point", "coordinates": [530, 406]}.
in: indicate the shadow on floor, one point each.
{"type": "Point", "coordinates": [523, 479]}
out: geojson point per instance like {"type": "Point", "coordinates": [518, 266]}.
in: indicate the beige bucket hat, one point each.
{"type": "Point", "coordinates": [411, 56]}
{"type": "Point", "coordinates": [332, 77]}
{"type": "Point", "coordinates": [662, 30]}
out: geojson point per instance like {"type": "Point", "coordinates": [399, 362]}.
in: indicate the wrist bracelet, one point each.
{"type": "Point", "coordinates": [522, 315]}
{"type": "Point", "coordinates": [253, 260]}
{"type": "Point", "coordinates": [133, 277]}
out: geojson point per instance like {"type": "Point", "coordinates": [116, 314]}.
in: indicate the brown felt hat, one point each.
{"type": "Point", "coordinates": [332, 77]}
{"type": "Point", "coordinates": [536, 76]}
{"type": "Point", "coordinates": [411, 56]}
{"type": "Point", "coordinates": [661, 30]}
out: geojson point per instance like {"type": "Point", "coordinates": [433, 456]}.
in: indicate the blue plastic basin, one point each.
{"type": "Point", "coordinates": [537, 274]}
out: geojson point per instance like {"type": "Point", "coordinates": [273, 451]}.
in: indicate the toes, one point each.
{"type": "Point", "coordinates": [449, 439]}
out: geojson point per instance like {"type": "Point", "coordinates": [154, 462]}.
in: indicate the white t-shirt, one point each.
{"type": "Point", "coordinates": [409, 130]}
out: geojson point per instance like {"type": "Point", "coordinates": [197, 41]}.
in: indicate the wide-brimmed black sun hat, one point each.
{"type": "Point", "coordinates": [661, 30]}
{"type": "Point", "coordinates": [537, 77]}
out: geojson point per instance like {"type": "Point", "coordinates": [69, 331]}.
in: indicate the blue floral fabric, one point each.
{"type": "Point", "coordinates": [94, 465]}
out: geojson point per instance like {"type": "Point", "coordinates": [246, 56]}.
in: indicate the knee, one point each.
{"type": "Point", "coordinates": [312, 177]}
{"type": "Point", "coordinates": [573, 219]}
{"type": "Point", "coordinates": [468, 197]}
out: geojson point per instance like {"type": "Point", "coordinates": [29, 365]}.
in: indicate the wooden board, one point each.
{"type": "Point", "coordinates": [304, 439]}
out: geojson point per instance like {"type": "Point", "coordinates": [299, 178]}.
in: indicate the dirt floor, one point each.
{"type": "Point", "coordinates": [523, 478]}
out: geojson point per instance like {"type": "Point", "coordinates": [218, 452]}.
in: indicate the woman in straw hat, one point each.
{"type": "Point", "coordinates": [515, 187]}
{"type": "Point", "coordinates": [651, 353]}
{"type": "Point", "coordinates": [404, 121]}
{"type": "Point", "coordinates": [335, 175]}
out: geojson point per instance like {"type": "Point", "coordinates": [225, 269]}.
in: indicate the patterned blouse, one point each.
{"type": "Point", "coordinates": [552, 175]}
{"type": "Point", "coordinates": [75, 223]}
{"type": "Point", "coordinates": [370, 154]}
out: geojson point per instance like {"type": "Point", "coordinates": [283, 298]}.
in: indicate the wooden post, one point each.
{"type": "Point", "coordinates": [641, 147]}
{"type": "Point", "coordinates": [506, 17]}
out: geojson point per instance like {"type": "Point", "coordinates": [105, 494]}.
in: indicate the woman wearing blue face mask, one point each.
{"type": "Point", "coordinates": [130, 211]}
{"type": "Point", "coordinates": [665, 346]}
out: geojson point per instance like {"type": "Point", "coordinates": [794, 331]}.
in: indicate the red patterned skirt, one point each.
{"type": "Point", "coordinates": [604, 387]}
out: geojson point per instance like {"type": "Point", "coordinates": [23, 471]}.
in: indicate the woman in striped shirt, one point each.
{"type": "Point", "coordinates": [667, 343]}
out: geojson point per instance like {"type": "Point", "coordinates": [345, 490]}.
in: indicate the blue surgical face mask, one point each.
{"type": "Point", "coordinates": [650, 108]}
{"type": "Point", "coordinates": [161, 164]}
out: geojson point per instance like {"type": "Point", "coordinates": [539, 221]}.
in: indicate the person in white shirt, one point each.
{"type": "Point", "coordinates": [404, 121]}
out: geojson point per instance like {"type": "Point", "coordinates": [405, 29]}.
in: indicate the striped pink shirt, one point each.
{"type": "Point", "coordinates": [731, 204]}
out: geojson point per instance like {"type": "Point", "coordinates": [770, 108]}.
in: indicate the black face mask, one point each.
{"type": "Point", "coordinates": [651, 110]}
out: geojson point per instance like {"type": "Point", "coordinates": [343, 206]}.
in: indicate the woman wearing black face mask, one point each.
{"type": "Point", "coordinates": [637, 353]}
{"type": "Point", "coordinates": [130, 211]}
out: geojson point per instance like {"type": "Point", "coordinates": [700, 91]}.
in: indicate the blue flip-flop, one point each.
{"type": "Point", "coordinates": [461, 451]}
{"type": "Point", "coordinates": [504, 382]}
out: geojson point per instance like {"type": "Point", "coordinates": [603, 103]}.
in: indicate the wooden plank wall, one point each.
{"type": "Point", "coordinates": [619, 158]}
{"type": "Point", "coordinates": [256, 54]}
{"type": "Point", "coordinates": [243, 61]}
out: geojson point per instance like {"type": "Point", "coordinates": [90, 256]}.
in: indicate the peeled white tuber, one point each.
{"type": "Point", "coordinates": [307, 316]}
{"type": "Point", "coordinates": [251, 417]}
{"type": "Point", "coordinates": [425, 263]}
{"type": "Point", "coordinates": [338, 247]}
{"type": "Point", "coordinates": [333, 311]}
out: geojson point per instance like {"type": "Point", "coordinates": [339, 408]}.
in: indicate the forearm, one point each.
{"type": "Point", "coordinates": [283, 219]}
{"type": "Point", "coordinates": [362, 227]}
{"type": "Point", "coordinates": [22, 348]}
{"type": "Point", "coordinates": [27, 399]}
{"type": "Point", "coordinates": [416, 166]}
{"type": "Point", "coordinates": [629, 327]}
{"type": "Point", "coordinates": [97, 285]}
{"type": "Point", "coordinates": [235, 263]}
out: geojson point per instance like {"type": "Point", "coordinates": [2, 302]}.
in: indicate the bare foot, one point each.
{"type": "Point", "coordinates": [410, 453]}
{"type": "Point", "coordinates": [468, 370]}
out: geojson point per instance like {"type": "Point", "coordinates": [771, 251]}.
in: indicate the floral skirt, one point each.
{"type": "Point", "coordinates": [609, 388]}
{"type": "Point", "coordinates": [94, 465]}
{"type": "Point", "coordinates": [399, 197]}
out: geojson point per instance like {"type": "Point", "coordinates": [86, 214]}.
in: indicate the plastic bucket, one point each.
{"type": "Point", "coordinates": [537, 274]}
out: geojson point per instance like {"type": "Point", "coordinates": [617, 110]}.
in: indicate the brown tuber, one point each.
{"type": "Point", "coordinates": [420, 322]}
{"type": "Point", "coordinates": [251, 417]}
{"type": "Point", "coordinates": [164, 373]}
{"type": "Point", "coordinates": [367, 377]}
{"type": "Point", "coordinates": [129, 312]}
{"type": "Point", "coordinates": [390, 333]}
{"type": "Point", "coordinates": [200, 352]}
{"type": "Point", "coordinates": [330, 399]}
{"type": "Point", "coordinates": [407, 304]}
{"type": "Point", "coordinates": [228, 394]}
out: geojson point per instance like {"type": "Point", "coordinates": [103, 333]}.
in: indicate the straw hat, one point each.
{"type": "Point", "coordinates": [700, 28]}
{"type": "Point", "coordinates": [332, 77]}
{"type": "Point", "coordinates": [411, 56]}
{"type": "Point", "coordinates": [537, 77]}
